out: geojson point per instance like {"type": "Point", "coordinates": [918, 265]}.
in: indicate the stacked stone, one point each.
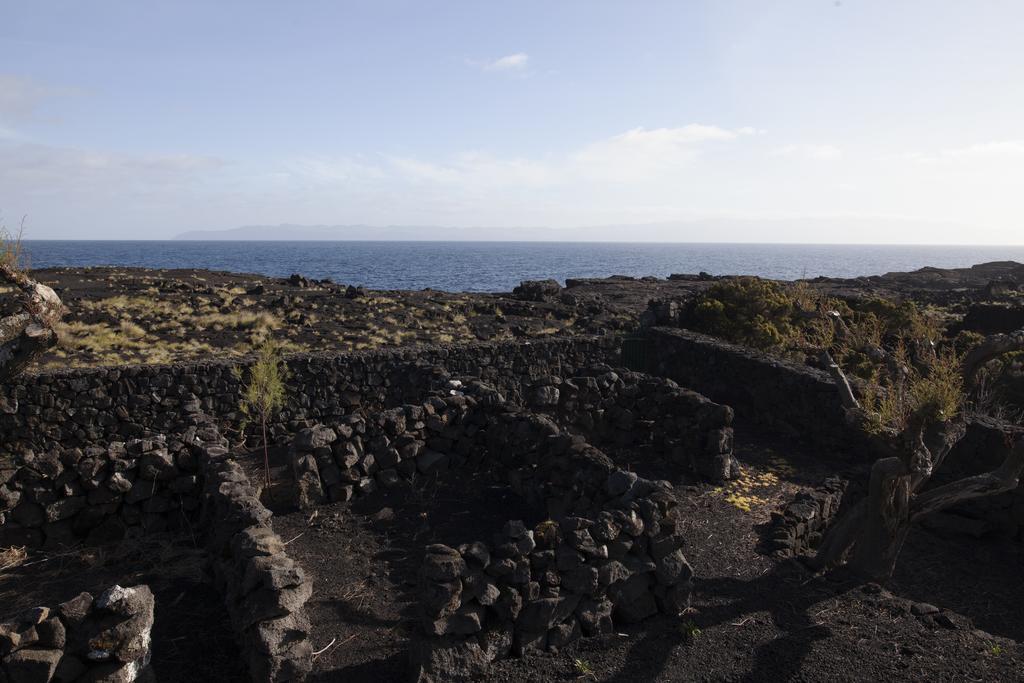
{"type": "Point", "coordinates": [60, 496]}
{"type": "Point", "coordinates": [106, 638]}
{"type": "Point", "coordinates": [789, 398]}
{"type": "Point", "coordinates": [802, 522]}
{"type": "Point", "coordinates": [264, 590]}
{"type": "Point", "coordinates": [84, 407]}
{"type": "Point", "coordinates": [621, 408]}
{"type": "Point", "coordinates": [546, 587]}
{"type": "Point", "coordinates": [363, 452]}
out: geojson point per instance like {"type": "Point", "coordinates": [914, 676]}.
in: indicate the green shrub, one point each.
{"type": "Point", "coordinates": [263, 394]}
{"type": "Point", "coordinates": [747, 310]}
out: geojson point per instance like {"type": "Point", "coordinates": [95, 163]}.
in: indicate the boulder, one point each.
{"type": "Point", "coordinates": [537, 290]}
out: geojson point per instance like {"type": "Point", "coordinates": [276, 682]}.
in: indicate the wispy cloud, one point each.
{"type": "Point", "coordinates": [641, 154]}
{"type": "Point", "coordinates": [809, 151]}
{"type": "Point", "coordinates": [636, 156]}
{"type": "Point", "coordinates": [514, 63]}
{"type": "Point", "coordinates": [992, 151]}
{"type": "Point", "coordinates": [20, 97]}
{"type": "Point", "coordinates": [998, 148]}
{"type": "Point", "coordinates": [33, 169]}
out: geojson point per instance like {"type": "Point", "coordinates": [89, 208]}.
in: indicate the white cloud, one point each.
{"type": "Point", "coordinates": [641, 154]}
{"type": "Point", "coordinates": [514, 62]}
{"type": "Point", "coordinates": [20, 98]}
{"type": "Point", "coordinates": [811, 152]}
{"type": "Point", "coordinates": [35, 170]}
{"type": "Point", "coordinates": [635, 156]}
{"type": "Point", "coordinates": [476, 170]}
{"type": "Point", "coordinates": [996, 149]}
{"type": "Point", "coordinates": [329, 170]}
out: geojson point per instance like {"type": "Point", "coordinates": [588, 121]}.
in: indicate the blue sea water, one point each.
{"type": "Point", "coordinates": [500, 266]}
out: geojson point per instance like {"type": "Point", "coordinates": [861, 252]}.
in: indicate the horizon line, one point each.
{"type": "Point", "coordinates": [493, 241]}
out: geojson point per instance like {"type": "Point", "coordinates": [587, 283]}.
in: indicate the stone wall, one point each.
{"type": "Point", "coordinates": [617, 408]}
{"type": "Point", "coordinates": [610, 550]}
{"type": "Point", "coordinates": [62, 496]}
{"type": "Point", "coordinates": [470, 422]}
{"type": "Point", "coordinates": [802, 402]}
{"type": "Point", "coordinates": [609, 553]}
{"type": "Point", "coordinates": [81, 407]}
{"type": "Point", "coordinates": [87, 638]}
{"type": "Point", "coordinates": [264, 590]}
{"type": "Point", "coordinates": [800, 525]}
{"type": "Point", "coordinates": [789, 398]}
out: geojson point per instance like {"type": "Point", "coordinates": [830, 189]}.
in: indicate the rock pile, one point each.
{"type": "Point", "coordinates": [800, 525]}
{"type": "Point", "coordinates": [548, 586]}
{"type": "Point", "coordinates": [87, 638]}
{"type": "Point", "coordinates": [537, 290]}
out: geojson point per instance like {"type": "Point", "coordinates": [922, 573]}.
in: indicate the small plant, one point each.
{"type": "Point", "coordinates": [547, 533]}
{"type": "Point", "coordinates": [690, 631]}
{"type": "Point", "coordinates": [263, 394]}
{"type": "Point", "coordinates": [10, 249]}
{"type": "Point", "coordinates": [584, 668]}
{"type": "Point", "coordinates": [996, 650]}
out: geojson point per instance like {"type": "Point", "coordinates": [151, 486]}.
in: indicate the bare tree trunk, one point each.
{"type": "Point", "coordinates": [886, 520]}
{"type": "Point", "coordinates": [27, 334]}
{"type": "Point", "coordinates": [1005, 478]}
{"type": "Point", "coordinates": [873, 531]}
{"type": "Point", "coordinates": [266, 454]}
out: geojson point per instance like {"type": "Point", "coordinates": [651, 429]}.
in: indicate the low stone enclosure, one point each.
{"type": "Point", "coordinates": [610, 548]}
{"type": "Point", "coordinates": [187, 482]}
{"type": "Point", "coordinates": [90, 466]}
{"type": "Point", "coordinates": [99, 455]}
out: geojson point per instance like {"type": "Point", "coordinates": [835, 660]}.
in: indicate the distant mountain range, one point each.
{"type": "Point", "coordinates": [800, 230]}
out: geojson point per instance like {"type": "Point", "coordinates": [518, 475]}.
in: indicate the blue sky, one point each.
{"type": "Point", "coordinates": [145, 119]}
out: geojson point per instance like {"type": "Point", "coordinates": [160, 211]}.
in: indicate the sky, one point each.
{"type": "Point", "coordinates": [802, 121]}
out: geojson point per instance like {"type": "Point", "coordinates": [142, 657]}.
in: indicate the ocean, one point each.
{"type": "Point", "coordinates": [500, 266]}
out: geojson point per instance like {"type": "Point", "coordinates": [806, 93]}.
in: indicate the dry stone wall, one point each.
{"type": "Point", "coordinates": [88, 638]}
{"type": "Point", "coordinates": [470, 423]}
{"type": "Point", "coordinates": [800, 525]}
{"type": "Point", "coordinates": [154, 484]}
{"type": "Point", "coordinates": [82, 407]}
{"type": "Point", "coordinates": [98, 494]}
{"type": "Point", "coordinates": [617, 408]}
{"type": "Point", "coordinates": [610, 552]}
{"type": "Point", "coordinates": [789, 398]}
{"type": "Point", "coordinates": [802, 402]}
{"type": "Point", "coordinates": [264, 590]}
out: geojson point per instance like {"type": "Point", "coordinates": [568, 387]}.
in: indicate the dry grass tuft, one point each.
{"type": "Point", "coordinates": [12, 557]}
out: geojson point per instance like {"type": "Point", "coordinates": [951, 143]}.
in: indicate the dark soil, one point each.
{"type": "Point", "coordinates": [755, 619]}
{"type": "Point", "coordinates": [192, 636]}
{"type": "Point", "coordinates": [364, 558]}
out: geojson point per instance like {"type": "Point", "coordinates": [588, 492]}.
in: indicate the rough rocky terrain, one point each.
{"type": "Point", "coordinates": [132, 315]}
{"type": "Point", "coordinates": [119, 315]}
{"type": "Point", "coordinates": [754, 618]}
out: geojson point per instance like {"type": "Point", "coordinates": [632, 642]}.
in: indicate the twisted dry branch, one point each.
{"type": "Point", "coordinates": [28, 333]}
